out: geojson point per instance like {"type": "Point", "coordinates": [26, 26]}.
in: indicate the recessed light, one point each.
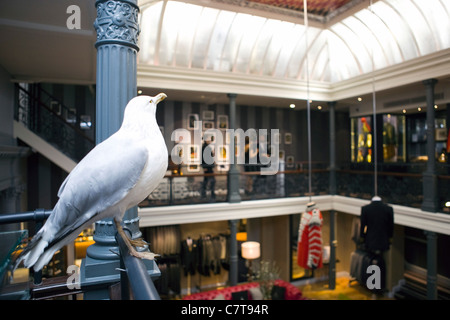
{"type": "Point", "coordinates": [139, 91]}
{"type": "Point", "coordinates": [404, 110]}
{"type": "Point", "coordinates": [435, 106]}
{"type": "Point", "coordinates": [319, 107]}
{"type": "Point", "coordinates": [419, 109]}
{"type": "Point", "coordinates": [292, 106]}
{"type": "Point", "coordinates": [359, 99]}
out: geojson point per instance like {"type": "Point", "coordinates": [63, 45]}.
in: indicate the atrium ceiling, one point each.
{"type": "Point", "coordinates": [200, 50]}
{"type": "Point", "coordinates": [389, 32]}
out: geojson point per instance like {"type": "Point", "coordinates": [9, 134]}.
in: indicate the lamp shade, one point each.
{"type": "Point", "coordinates": [250, 250]}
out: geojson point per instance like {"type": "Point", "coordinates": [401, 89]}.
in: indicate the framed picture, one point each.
{"type": "Point", "coordinates": [441, 134]}
{"type": "Point", "coordinates": [287, 138]}
{"type": "Point", "coordinates": [178, 154]}
{"type": "Point", "coordinates": [223, 153]}
{"type": "Point", "coordinates": [181, 136]}
{"type": "Point", "coordinates": [208, 125]}
{"type": "Point", "coordinates": [56, 107]}
{"type": "Point", "coordinates": [222, 121]}
{"type": "Point", "coordinates": [223, 167]}
{"type": "Point", "coordinates": [71, 115]}
{"type": "Point", "coordinates": [194, 152]}
{"type": "Point", "coordinates": [209, 136]}
{"type": "Point", "coordinates": [193, 168]}
{"type": "Point", "coordinates": [208, 115]}
{"type": "Point", "coordinates": [290, 161]}
{"type": "Point", "coordinates": [192, 121]}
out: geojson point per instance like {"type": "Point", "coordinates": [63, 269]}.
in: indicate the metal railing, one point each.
{"type": "Point", "coordinates": [134, 276]}
{"type": "Point", "coordinates": [133, 273]}
{"type": "Point", "coordinates": [53, 121]}
{"type": "Point", "coordinates": [400, 184]}
{"type": "Point", "coordinates": [38, 216]}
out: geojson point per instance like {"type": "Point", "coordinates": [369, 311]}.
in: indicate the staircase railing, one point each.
{"type": "Point", "coordinates": [51, 120]}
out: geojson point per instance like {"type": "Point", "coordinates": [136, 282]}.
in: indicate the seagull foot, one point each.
{"type": "Point", "coordinates": [144, 255]}
{"type": "Point", "coordinates": [138, 242]}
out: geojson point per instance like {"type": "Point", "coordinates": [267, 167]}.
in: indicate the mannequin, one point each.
{"type": "Point", "coordinates": [376, 232]}
{"type": "Point", "coordinates": [309, 250]}
{"type": "Point", "coordinates": [188, 255]}
{"type": "Point", "coordinates": [377, 225]}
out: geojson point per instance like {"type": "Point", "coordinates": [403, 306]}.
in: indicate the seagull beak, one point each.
{"type": "Point", "coordinates": [160, 97]}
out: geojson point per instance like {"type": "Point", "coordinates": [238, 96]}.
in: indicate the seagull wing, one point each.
{"type": "Point", "coordinates": [100, 181]}
{"type": "Point", "coordinates": [106, 175]}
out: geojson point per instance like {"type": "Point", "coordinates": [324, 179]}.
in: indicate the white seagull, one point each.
{"type": "Point", "coordinates": [113, 177]}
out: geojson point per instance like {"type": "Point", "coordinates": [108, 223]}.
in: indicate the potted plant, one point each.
{"type": "Point", "coordinates": [266, 275]}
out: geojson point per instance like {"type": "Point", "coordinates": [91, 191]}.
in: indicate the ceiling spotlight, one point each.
{"type": "Point", "coordinates": [292, 106]}
{"type": "Point", "coordinates": [447, 204]}
{"type": "Point", "coordinates": [139, 91]}
{"type": "Point", "coordinates": [404, 110]}
{"type": "Point", "coordinates": [359, 99]}
{"type": "Point", "coordinates": [319, 107]}
{"type": "Point", "coordinates": [419, 109]}
{"type": "Point", "coordinates": [435, 106]}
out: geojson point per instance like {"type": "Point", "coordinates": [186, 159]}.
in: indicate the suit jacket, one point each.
{"type": "Point", "coordinates": [377, 226]}
{"type": "Point", "coordinates": [189, 256]}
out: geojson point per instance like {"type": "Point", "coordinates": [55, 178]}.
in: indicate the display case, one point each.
{"type": "Point", "coordinates": [391, 133]}
{"type": "Point", "coordinates": [361, 139]}
{"type": "Point", "coordinates": [417, 137]}
{"type": "Point", "coordinates": [394, 138]}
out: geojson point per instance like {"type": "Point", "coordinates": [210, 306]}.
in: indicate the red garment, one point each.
{"type": "Point", "coordinates": [309, 249]}
{"type": "Point", "coordinates": [448, 141]}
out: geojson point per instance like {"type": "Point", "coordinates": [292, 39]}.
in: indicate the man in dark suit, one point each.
{"type": "Point", "coordinates": [377, 225]}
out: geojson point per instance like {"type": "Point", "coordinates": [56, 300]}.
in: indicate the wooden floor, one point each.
{"type": "Point", "coordinates": [345, 290]}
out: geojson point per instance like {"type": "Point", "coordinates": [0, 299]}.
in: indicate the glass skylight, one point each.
{"type": "Point", "coordinates": [185, 35]}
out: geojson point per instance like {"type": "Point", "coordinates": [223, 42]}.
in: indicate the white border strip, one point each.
{"type": "Point", "coordinates": [181, 214]}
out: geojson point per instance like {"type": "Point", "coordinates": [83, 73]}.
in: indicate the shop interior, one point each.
{"type": "Point", "coordinates": [361, 123]}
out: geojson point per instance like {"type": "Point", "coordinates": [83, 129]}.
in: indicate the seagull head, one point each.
{"type": "Point", "coordinates": [141, 108]}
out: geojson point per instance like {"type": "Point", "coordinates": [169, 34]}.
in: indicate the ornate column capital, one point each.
{"type": "Point", "coordinates": [117, 23]}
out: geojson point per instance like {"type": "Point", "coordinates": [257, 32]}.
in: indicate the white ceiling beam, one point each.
{"type": "Point", "coordinates": [436, 65]}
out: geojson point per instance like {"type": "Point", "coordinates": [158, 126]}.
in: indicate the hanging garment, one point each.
{"type": "Point", "coordinates": [309, 249]}
{"type": "Point", "coordinates": [189, 256]}
{"type": "Point", "coordinates": [377, 226]}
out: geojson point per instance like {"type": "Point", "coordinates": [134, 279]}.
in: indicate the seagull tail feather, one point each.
{"type": "Point", "coordinates": [31, 252]}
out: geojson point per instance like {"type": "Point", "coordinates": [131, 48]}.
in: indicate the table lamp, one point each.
{"type": "Point", "coordinates": [250, 250]}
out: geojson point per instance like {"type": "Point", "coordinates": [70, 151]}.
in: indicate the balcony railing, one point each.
{"type": "Point", "coordinates": [52, 120]}
{"type": "Point", "coordinates": [397, 184]}
{"type": "Point", "coordinates": [134, 277]}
